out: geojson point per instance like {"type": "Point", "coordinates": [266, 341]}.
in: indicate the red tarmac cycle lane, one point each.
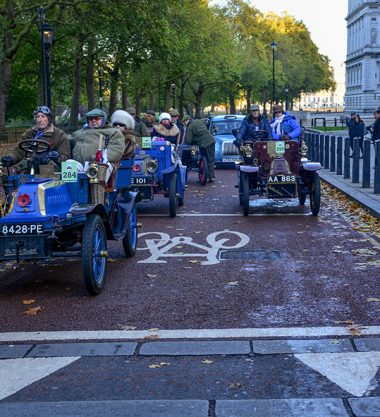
{"type": "Point", "coordinates": [279, 267]}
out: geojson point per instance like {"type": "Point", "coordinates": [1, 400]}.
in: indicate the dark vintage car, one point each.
{"type": "Point", "coordinates": [277, 169]}
{"type": "Point", "coordinates": [67, 214]}
{"type": "Point", "coordinates": [221, 127]}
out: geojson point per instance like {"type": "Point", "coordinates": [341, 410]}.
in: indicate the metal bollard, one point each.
{"type": "Point", "coordinates": [366, 163]}
{"type": "Point", "coordinates": [355, 161]}
{"type": "Point", "coordinates": [321, 148]}
{"type": "Point", "coordinates": [332, 154]}
{"type": "Point", "coordinates": [316, 148]}
{"type": "Point", "coordinates": [327, 153]}
{"type": "Point", "coordinates": [376, 188]}
{"type": "Point", "coordinates": [339, 155]}
{"type": "Point", "coordinates": [347, 165]}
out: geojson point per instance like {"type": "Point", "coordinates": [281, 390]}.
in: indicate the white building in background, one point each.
{"type": "Point", "coordinates": [363, 56]}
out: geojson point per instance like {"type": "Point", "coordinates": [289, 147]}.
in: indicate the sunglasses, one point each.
{"type": "Point", "coordinates": [118, 125]}
{"type": "Point", "coordinates": [97, 118]}
{"type": "Point", "coordinates": [277, 112]}
{"type": "Point", "coordinates": [42, 109]}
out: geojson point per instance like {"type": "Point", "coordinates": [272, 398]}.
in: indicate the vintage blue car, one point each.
{"type": "Point", "coordinates": [158, 169]}
{"type": "Point", "coordinates": [67, 214]}
{"type": "Point", "coordinates": [226, 153]}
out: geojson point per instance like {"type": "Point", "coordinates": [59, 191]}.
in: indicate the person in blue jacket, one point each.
{"type": "Point", "coordinates": [252, 122]}
{"type": "Point", "coordinates": [284, 125]}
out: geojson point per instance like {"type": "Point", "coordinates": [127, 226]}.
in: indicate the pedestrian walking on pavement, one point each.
{"type": "Point", "coordinates": [375, 128]}
{"type": "Point", "coordinates": [356, 130]}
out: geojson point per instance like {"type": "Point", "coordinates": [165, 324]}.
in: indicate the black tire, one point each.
{"type": "Point", "coordinates": [245, 192]}
{"type": "Point", "coordinates": [173, 195]}
{"type": "Point", "coordinates": [203, 170]}
{"type": "Point", "coordinates": [315, 195]}
{"type": "Point", "coordinates": [94, 264]}
{"type": "Point", "coordinates": [131, 235]}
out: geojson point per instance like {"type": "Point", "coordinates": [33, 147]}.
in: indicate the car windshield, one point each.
{"type": "Point", "coordinates": [224, 127]}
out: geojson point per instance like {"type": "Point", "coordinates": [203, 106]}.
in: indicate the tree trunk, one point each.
{"type": "Point", "coordinates": [248, 96]}
{"type": "Point", "coordinates": [76, 82]}
{"type": "Point", "coordinates": [114, 89]}
{"type": "Point", "coordinates": [151, 100]}
{"type": "Point", "coordinates": [90, 73]}
{"type": "Point", "coordinates": [5, 83]}
{"type": "Point", "coordinates": [232, 105]}
{"type": "Point", "coordinates": [124, 96]}
{"type": "Point", "coordinates": [138, 102]}
{"type": "Point", "coordinates": [167, 101]}
{"type": "Point", "coordinates": [198, 101]}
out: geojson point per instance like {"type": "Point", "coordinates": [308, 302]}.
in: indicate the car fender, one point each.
{"type": "Point", "coordinates": [311, 166]}
{"type": "Point", "coordinates": [247, 168]}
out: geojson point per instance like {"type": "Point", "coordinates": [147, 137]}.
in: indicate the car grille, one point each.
{"type": "Point", "coordinates": [229, 149]}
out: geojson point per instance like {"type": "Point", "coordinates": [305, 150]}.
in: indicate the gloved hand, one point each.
{"type": "Point", "coordinates": [45, 157]}
{"type": "Point", "coordinates": [7, 161]}
{"type": "Point", "coordinates": [237, 143]}
{"type": "Point", "coordinates": [285, 137]}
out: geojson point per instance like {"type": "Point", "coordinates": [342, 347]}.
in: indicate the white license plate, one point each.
{"type": "Point", "coordinates": [20, 229]}
{"type": "Point", "coordinates": [281, 179]}
{"type": "Point", "coordinates": [138, 181]}
{"type": "Point", "coordinates": [229, 159]}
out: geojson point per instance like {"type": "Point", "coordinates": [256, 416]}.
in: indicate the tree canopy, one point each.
{"type": "Point", "coordinates": [153, 54]}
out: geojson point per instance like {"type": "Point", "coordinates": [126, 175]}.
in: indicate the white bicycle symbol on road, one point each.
{"type": "Point", "coordinates": [160, 246]}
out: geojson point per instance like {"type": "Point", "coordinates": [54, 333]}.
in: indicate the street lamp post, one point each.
{"type": "Point", "coordinates": [286, 98]}
{"type": "Point", "coordinates": [100, 74]}
{"type": "Point", "coordinates": [273, 45]}
{"type": "Point", "coordinates": [173, 86]}
{"type": "Point", "coordinates": [46, 45]}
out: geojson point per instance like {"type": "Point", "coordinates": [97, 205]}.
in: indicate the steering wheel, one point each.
{"type": "Point", "coordinates": [34, 146]}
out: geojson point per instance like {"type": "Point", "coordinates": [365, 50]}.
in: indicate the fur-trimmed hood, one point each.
{"type": "Point", "coordinates": [162, 130]}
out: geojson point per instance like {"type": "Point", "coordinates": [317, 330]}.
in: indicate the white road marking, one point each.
{"type": "Point", "coordinates": [16, 374]}
{"type": "Point", "coordinates": [226, 214]}
{"type": "Point", "coordinates": [189, 334]}
{"type": "Point", "coordinates": [352, 371]}
{"type": "Point", "coordinates": [160, 244]}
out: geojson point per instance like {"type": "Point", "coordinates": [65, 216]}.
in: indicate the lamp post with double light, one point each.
{"type": "Point", "coordinates": [273, 45]}
{"type": "Point", "coordinates": [46, 46]}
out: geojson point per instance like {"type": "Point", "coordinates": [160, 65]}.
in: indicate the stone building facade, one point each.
{"type": "Point", "coordinates": [363, 56]}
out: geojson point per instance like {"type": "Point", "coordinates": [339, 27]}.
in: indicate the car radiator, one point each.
{"type": "Point", "coordinates": [229, 148]}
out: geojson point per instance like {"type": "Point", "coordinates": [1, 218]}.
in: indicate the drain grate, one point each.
{"type": "Point", "coordinates": [253, 254]}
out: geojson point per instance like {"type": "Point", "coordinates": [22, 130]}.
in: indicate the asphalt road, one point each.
{"type": "Point", "coordinates": [210, 267]}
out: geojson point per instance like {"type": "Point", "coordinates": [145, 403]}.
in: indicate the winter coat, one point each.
{"type": "Point", "coordinates": [356, 130]}
{"type": "Point", "coordinates": [197, 134]}
{"type": "Point", "coordinates": [376, 131]}
{"type": "Point", "coordinates": [148, 124]}
{"type": "Point", "coordinates": [248, 126]}
{"type": "Point", "coordinates": [55, 137]}
{"type": "Point", "coordinates": [87, 143]}
{"type": "Point", "coordinates": [289, 126]}
{"type": "Point", "coordinates": [171, 134]}
{"type": "Point", "coordinates": [140, 128]}
{"type": "Point", "coordinates": [182, 130]}
{"type": "Point", "coordinates": [130, 143]}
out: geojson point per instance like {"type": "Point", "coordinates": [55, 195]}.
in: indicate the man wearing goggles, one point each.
{"type": "Point", "coordinates": [45, 130]}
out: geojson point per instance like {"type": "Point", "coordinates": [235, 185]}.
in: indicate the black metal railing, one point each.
{"type": "Point", "coordinates": [335, 154]}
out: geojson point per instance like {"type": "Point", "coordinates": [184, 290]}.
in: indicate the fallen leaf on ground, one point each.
{"type": "Point", "coordinates": [154, 366]}
{"type": "Point", "coordinates": [33, 311]}
{"type": "Point", "coordinates": [194, 261]}
{"type": "Point", "coordinates": [164, 363]}
{"type": "Point", "coordinates": [235, 385]}
{"type": "Point", "coordinates": [154, 329]}
{"type": "Point", "coordinates": [233, 283]}
{"type": "Point", "coordinates": [351, 322]}
{"type": "Point", "coordinates": [152, 337]}
{"type": "Point", "coordinates": [28, 302]}
{"type": "Point", "coordinates": [364, 252]}
{"type": "Point", "coordinates": [127, 327]}
{"type": "Point", "coordinates": [151, 275]}
{"type": "Point", "coordinates": [207, 361]}
{"type": "Point", "coordinates": [373, 300]}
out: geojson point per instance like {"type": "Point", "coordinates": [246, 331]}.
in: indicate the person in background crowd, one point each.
{"type": "Point", "coordinates": [140, 128]}
{"type": "Point", "coordinates": [166, 129]}
{"type": "Point", "coordinates": [125, 123]}
{"type": "Point", "coordinates": [253, 121]}
{"type": "Point", "coordinates": [350, 121]}
{"type": "Point", "coordinates": [148, 120]}
{"type": "Point", "coordinates": [356, 130]}
{"type": "Point", "coordinates": [284, 125]}
{"type": "Point", "coordinates": [197, 134]}
{"type": "Point", "coordinates": [375, 128]}
{"type": "Point", "coordinates": [88, 139]}
{"type": "Point", "coordinates": [44, 130]}
{"type": "Point", "coordinates": [175, 120]}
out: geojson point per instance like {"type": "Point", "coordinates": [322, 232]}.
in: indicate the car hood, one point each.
{"type": "Point", "coordinates": [223, 138]}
